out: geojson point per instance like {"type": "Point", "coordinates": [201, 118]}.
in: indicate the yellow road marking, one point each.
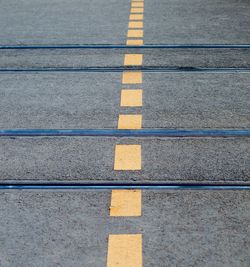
{"type": "Point", "coordinates": [135, 42]}
{"type": "Point", "coordinates": [132, 77]}
{"type": "Point", "coordinates": [135, 24]}
{"type": "Point", "coordinates": [131, 98]}
{"type": "Point", "coordinates": [137, 1]}
{"type": "Point", "coordinates": [137, 4]}
{"type": "Point", "coordinates": [129, 121]}
{"type": "Point", "coordinates": [125, 203]}
{"type": "Point", "coordinates": [127, 157]}
{"type": "Point", "coordinates": [133, 59]}
{"type": "Point", "coordinates": [125, 251]}
{"type": "Point", "coordinates": [135, 33]}
{"type": "Point", "coordinates": [136, 17]}
{"type": "Point", "coordinates": [137, 10]}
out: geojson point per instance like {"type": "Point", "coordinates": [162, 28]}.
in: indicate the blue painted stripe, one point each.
{"type": "Point", "coordinates": [122, 69]}
{"type": "Point", "coordinates": [125, 186]}
{"type": "Point", "coordinates": [146, 46]}
{"type": "Point", "coordinates": [129, 133]}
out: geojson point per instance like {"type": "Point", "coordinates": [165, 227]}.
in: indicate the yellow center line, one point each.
{"type": "Point", "coordinates": [125, 250]}
{"type": "Point", "coordinates": [136, 17]}
{"type": "Point", "coordinates": [137, 10]}
{"type": "Point", "coordinates": [135, 24]}
{"type": "Point", "coordinates": [135, 34]}
{"type": "Point", "coordinates": [132, 77]}
{"type": "Point", "coordinates": [137, 4]}
{"type": "Point", "coordinates": [131, 98]}
{"type": "Point", "coordinates": [135, 42]}
{"type": "Point", "coordinates": [125, 203]}
{"type": "Point", "coordinates": [133, 59]}
{"type": "Point", "coordinates": [130, 121]}
{"type": "Point", "coordinates": [127, 158]}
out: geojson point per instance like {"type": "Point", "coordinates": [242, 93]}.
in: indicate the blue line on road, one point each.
{"type": "Point", "coordinates": [129, 133]}
{"type": "Point", "coordinates": [125, 186]}
{"type": "Point", "coordinates": [146, 46]}
{"type": "Point", "coordinates": [122, 69]}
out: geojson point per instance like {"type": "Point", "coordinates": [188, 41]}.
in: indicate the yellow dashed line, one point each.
{"type": "Point", "coordinates": [137, 4]}
{"type": "Point", "coordinates": [133, 59]}
{"type": "Point", "coordinates": [135, 33]}
{"type": "Point", "coordinates": [134, 42]}
{"type": "Point", "coordinates": [136, 17]}
{"type": "Point", "coordinates": [132, 77]}
{"type": "Point", "coordinates": [137, 10]}
{"type": "Point", "coordinates": [129, 121]}
{"type": "Point", "coordinates": [135, 24]}
{"type": "Point", "coordinates": [127, 157]}
{"type": "Point", "coordinates": [131, 98]}
{"type": "Point", "coordinates": [125, 203]}
{"type": "Point", "coordinates": [125, 251]}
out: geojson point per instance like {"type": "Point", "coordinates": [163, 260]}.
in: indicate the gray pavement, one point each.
{"type": "Point", "coordinates": [197, 21]}
{"type": "Point", "coordinates": [91, 159]}
{"type": "Point", "coordinates": [63, 22]}
{"type": "Point", "coordinates": [79, 100]}
{"type": "Point", "coordinates": [186, 100]}
{"type": "Point", "coordinates": [60, 100]}
{"type": "Point", "coordinates": [70, 228]}
{"type": "Point", "coordinates": [85, 58]}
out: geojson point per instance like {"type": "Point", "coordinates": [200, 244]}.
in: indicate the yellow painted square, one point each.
{"type": "Point", "coordinates": [125, 203]}
{"type": "Point", "coordinates": [137, 4]}
{"type": "Point", "coordinates": [129, 121]}
{"type": "Point", "coordinates": [127, 158]}
{"type": "Point", "coordinates": [135, 42]}
{"type": "Point", "coordinates": [135, 24]}
{"type": "Point", "coordinates": [136, 17]}
{"type": "Point", "coordinates": [132, 77]}
{"type": "Point", "coordinates": [133, 59]}
{"type": "Point", "coordinates": [137, 10]}
{"type": "Point", "coordinates": [125, 250]}
{"type": "Point", "coordinates": [135, 33]}
{"type": "Point", "coordinates": [131, 98]}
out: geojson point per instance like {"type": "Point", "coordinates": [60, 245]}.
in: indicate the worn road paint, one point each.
{"type": "Point", "coordinates": [134, 42]}
{"type": "Point", "coordinates": [136, 17]}
{"type": "Point", "coordinates": [127, 157]}
{"type": "Point", "coordinates": [132, 77]}
{"type": "Point", "coordinates": [135, 24]}
{"type": "Point", "coordinates": [125, 250]}
{"type": "Point", "coordinates": [133, 59]}
{"type": "Point", "coordinates": [135, 34]}
{"type": "Point", "coordinates": [125, 203]}
{"type": "Point", "coordinates": [137, 10]}
{"type": "Point", "coordinates": [131, 98]}
{"type": "Point", "coordinates": [129, 121]}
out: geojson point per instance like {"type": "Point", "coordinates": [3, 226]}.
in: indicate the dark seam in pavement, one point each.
{"type": "Point", "coordinates": [146, 46]}
{"type": "Point", "coordinates": [67, 186]}
{"type": "Point", "coordinates": [122, 69]}
{"type": "Point", "coordinates": [129, 133]}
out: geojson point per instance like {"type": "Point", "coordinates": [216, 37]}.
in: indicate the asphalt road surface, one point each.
{"type": "Point", "coordinates": [124, 133]}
